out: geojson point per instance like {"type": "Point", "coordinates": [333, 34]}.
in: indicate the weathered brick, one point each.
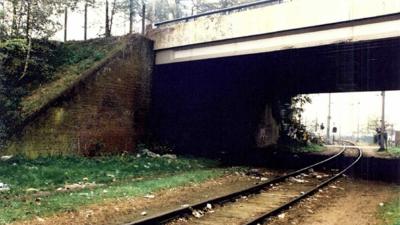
{"type": "Point", "coordinates": [106, 112]}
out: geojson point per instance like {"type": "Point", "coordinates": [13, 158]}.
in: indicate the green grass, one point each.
{"type": "Point", "coordinates": [299, 148]}
{"type": "Point", "coordinates": [394, 150]}
{"type": "Point", "coordinates": [117, 174]}
{"type": "Point", "coordinates": [390, 212]}
{"type": "Point", "coordinates": [312, 148]}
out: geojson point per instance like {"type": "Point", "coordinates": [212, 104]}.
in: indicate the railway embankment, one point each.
{"type": "Point", "coordinates": [97, 104]}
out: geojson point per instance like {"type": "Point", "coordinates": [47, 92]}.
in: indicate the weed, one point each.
{"type": "Point", "coordinates": [394, 150]}
{"type": "Point", "coordinates": [120, 176]}
{"type": "Point", "coordinates": [390, 212]}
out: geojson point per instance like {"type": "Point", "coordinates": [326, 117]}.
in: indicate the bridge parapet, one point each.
{"type": "Point", "coordinates": [288, 15]}
{"type": "Point", "coordinates": [291, 24]}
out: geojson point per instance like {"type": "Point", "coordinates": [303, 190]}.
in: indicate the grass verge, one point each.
{"type": "Point", "coordinates": [394, 151]}
{"type": "Point", "coordinates": [115, 177]}
{"type": "Point", "coordinates": [390, 212]}
{"type": "Point", "coordinates": [311, 148]}
{"type": "Point", "coordinates": [300, 148]}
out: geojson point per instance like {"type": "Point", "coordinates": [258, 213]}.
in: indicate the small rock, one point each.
{"type": "Point", "coordinates": [292, 179]}
{"type": "Point", "coordinates": [318, 177]}
{"type": "Point", "coordinates": [169, 156]}
{"type": "Point", "coordinates": [89, 213]}
{"type": "Point", "coordinates": [39, 219]}
{"type": "Point", "coordinates": [310, 211]}
{"type": "Point", "coordinates": [85, 179]}
{"type": "Point", "coordinates": [6, 157]}
{"type": "Point", "coordinates": [150, 196]}
{"type": "Point", "coordinates": [32, 190]}
{"type": "Point", "coordinates": [185, 205]}
{"type": "Point", "coordinates": [149, 153]}
{"type": "Point", "coordinates": [264, 179]}
{"type": "Point", "coordinates": [143, 213]}
{"type": "Point", "coordinates": [333, 186]}
{"type": "Point", "coordinates": [381, 204]}
{"type": "Point", "coordinates": [197, 213]}
{"type": "Point", "coordinates": [105, 191]}
{"type": "Point", "coordinates": [281, 216]}
{"type": "Point", "coordinates": [4, 187]}
{"type": "Point", "coordinates": [209, 206]}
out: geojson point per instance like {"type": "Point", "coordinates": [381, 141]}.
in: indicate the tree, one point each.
{"type": "Point", "coordinates": [34, 17]}
{"type": "Point", "coordinates": [3, 31]}
{"type": "Point", "coordinates": [131, 15]}
{"type": "Point", "coordinates": [88, 3]}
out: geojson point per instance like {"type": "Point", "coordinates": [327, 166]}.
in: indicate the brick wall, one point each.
{"type": "Point", "coordinates": [268, 129]}
{"type": "Point", "coordinates": [105, 113]}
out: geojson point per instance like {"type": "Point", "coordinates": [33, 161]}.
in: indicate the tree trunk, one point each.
{"type": "Point", "coordinates": [85, 23]}
{"type": "Point", "coordinates": [108, 32]}
{"type": "Point", "coordinates": [28, 21]}
{"type": "Point", "coordinates": [131, 16]}
{"type": "Point", "coordinates": [14, 27]}
{"type": "Point", "coordinates": [65, 23]}
{"type": "Point", "coordinates": [112, 15]}
{"type": "Point", "coordinates": [143, 19]}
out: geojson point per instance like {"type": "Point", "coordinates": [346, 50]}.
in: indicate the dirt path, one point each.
{"type": "Point", "coordinates": [125, 210]}
{"type": "Point", "coordinates": [346, 202]}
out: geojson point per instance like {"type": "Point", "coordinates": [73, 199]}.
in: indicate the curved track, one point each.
{"type": "Point", "coordinates": [255, 203]}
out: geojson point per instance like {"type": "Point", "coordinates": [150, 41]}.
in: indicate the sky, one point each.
{"type": "Point", "coordinates": [96, 21]}
{"type": "Point", "coordinates": [350, 108]}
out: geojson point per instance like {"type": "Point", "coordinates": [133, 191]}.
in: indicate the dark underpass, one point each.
{"type": "Point", "coordinates": [217, 106]}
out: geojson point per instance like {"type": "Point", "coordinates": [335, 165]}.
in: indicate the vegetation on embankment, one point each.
{"type": "Point", "coordinates": [78, 57]}
{"type": "Point", "coordinates": [302, 148]}
{"type": "Point", "coordinates": [390, 212]}
{"type": "Point", "coordinates": [394, 151]}
{"type": "Point", "coordinates": [33, 75]}
{"type": "Point", "coordinates": [39, 187]}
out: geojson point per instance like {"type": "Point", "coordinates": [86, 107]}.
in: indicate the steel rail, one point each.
{"type": "Point", "coordinates": [286, 206]}
{"type": "Point", "coordinates": [238, 7]}
{"type": "Point", "coordinates": [169, 215]}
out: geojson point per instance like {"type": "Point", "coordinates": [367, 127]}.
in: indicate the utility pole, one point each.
{"type": "Point", "coordinates": [328, 124]}
{"type": "Point", "coordinates": [382, 138]}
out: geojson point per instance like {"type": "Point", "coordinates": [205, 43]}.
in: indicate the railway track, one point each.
{"type": "Point", "coordinates": [254, 205]}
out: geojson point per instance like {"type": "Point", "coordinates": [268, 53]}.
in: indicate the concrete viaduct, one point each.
{"type": "Point", "coordinates": [220, 80]}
